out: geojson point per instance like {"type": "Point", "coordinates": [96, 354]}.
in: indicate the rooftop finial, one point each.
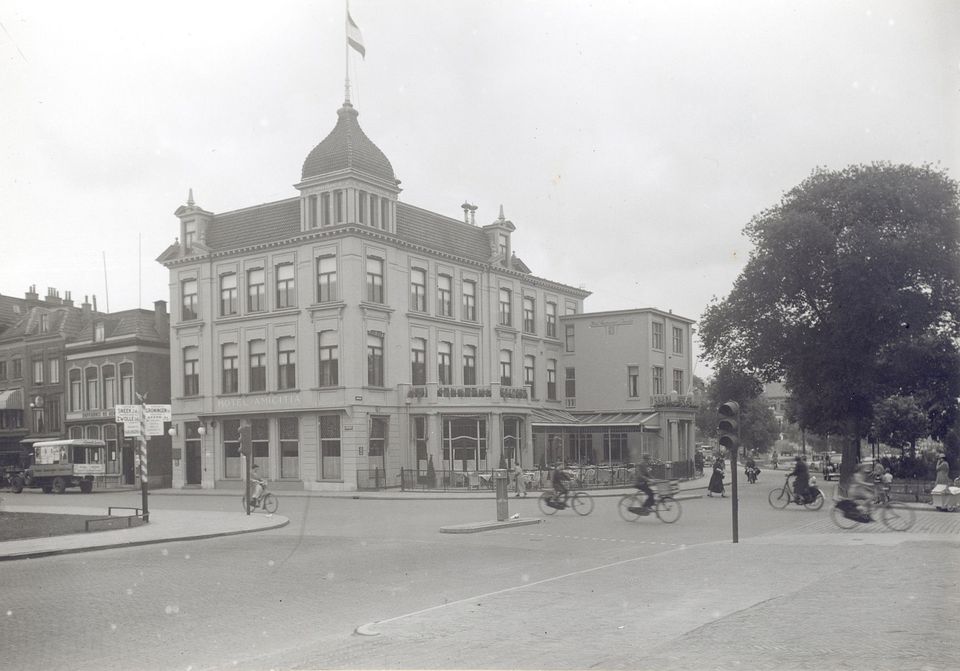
{"type": "Point", "coordinates": [501, 217]}
{"type": "Point", "coordinates": [190, 198]}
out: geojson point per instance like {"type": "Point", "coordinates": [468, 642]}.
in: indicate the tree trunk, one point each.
{"type": "Point", "coordinates": [851, 454]}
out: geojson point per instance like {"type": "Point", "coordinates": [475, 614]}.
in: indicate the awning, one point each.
{"type": "Point", "coordinates": [11, 399]}
{"type": "Point", "coordinates": [594, 420]}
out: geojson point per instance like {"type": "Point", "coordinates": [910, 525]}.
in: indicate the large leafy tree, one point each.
{"type": "Point", "coordinates": [758, 426]}
{"type": "Point", "coordinates": [850, 270]}
{"type": "Point", "coordinates": [899, 421]}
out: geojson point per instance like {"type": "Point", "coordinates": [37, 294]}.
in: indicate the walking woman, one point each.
{"type": "Point", "coordinates": [716, 480]}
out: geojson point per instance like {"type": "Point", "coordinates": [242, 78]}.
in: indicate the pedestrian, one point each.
{"type": "Point", "coordinates": [715, 485]}
{"type": "Point", "coordinates": [520, 478]}
{"type": "Point", "coordinates": [698, 463]}
{"type": "Point", "coordinates": [943, 470]}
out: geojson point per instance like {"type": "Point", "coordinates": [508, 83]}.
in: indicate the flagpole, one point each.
{"type": "Point", "coordinates": [346, 51]}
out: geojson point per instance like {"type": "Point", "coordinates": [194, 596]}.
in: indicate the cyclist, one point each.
{"type": "Point", "coordinates": [559, 478]}
{"type": "Point", "coordinates": [859, 490]}
{"type": "Point", "coordinates": [258, 485]}
{"type": "Point", "coordinates": [801, 484]}
{"type": "Point", "coordinates": [642, 482]}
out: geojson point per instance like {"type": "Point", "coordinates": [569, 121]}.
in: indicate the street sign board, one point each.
{"type": "Point", "coordinates": [127, 413]}
{"type": "Point", "coordinates": [162, 413]}
{"type": "Point", "coordinates": [131, 429]}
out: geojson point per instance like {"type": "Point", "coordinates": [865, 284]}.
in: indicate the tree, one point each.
{"type": "Point", "coordinates": [899, 421]}
{"type": "Point", "coordinates": [848, 269]}
{"type": "Point", "coordinates": [758, 426]}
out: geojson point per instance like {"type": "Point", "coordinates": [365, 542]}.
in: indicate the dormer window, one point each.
{"type": "Point", "coordinates": [504, 246]}
{"type": "Point", "coordinates": [98, 332]}
{"type": "Point", "coordinates": [44, 323]}
{"type": "Point", "coordinates": [189, 234]}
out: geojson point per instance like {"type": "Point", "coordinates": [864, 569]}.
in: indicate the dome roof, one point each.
{"type": "Point", "coordinates": [347, 148]}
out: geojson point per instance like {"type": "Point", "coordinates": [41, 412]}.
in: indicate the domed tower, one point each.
{"type": "Point", "coordinates": [346, 179]}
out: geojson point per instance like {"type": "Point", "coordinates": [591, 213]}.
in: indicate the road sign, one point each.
{"type": "Point", "coordinates": [131, 429]}
{"type": "Point", "coordinates": [153, 427]}
{"type": "Point", "coordinates": [128, 413]}
{"type": "Point", "coordinates": [162, 413]}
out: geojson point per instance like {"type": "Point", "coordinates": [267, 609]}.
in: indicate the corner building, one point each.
{"type": "Point", "coordinates": [358, 335]}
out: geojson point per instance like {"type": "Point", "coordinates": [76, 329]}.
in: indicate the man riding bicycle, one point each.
{"type": "Point", "coordinates": [642, 482]}
{"type": "Point", "coordinates": [259, 484]}
{"type": "Point", "coordinates": [559, 478]}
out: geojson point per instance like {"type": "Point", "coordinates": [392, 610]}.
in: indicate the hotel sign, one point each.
{"type": "Point", "coordinates": [254, 403]}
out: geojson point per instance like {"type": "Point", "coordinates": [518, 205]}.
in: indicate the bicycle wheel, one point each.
{"type": "Point", "coordinates": [626, 502]}
{"type": "Point", "coordinates": [545, 508]}
{"type": "Point", "coordinates": [779, 498]}
{"type": "Point", "coordinates": [668, 509]}
{"type": "Point", "coordinates": [841, 520]}
{"type": "Point", "coordinates": [816, 504]}
{"type": "Point", "coordinates": [897, 517]}
{"type": "Point", "coordinates": [582, 503]}
{"type": "Point", "coordinates": [270, 503]}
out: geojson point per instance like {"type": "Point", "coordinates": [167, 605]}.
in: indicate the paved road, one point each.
{"type": "Point", "coordinates": [569, 593]}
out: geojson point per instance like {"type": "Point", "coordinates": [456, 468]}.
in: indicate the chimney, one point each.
{"type": "Point", "coordinates": [161, 320]}
{"type": "Point", "coordinates": [85, 306]}
{"type": "Point", "coordinates": [31, 295]}
{"type": "Point", "coordinates": [53, 296]}
{"type": "Point", "coordinates": [94, 302]}
{"type": "Point", "coordinates": [469, 213]}
{"type": "Point", "coordinates": [67, 299]}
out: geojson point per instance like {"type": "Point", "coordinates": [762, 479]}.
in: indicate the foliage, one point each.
{"type": "Point", "coordinates": [758, 426]}
{"type": "Point", "coordinates": [850, 271]}
{"type": "Point", "coordinates": [899, 421]}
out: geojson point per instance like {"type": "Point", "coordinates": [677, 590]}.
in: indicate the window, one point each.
{"type": "Point", "coordinates": [3, 370]}
{"type": "Point", "coordinates": [98, 332]}
{"type": "Point", "coordinates": [329, 366]}
{"type": "Point", "coordinates": [420, 440]}
{"type": "Point", "coordinates": [191, 371]}
{"type": "Point", "coordinates": [529, 369]}
{"type": "Point", "coordinates": [362, 207]}
{"type": "Point", "coordinates": [469, 300]}
{"type": "Point", "coordinates": [418, 290]}
{"type": "Point", "coordinates": [289, 430]}
{"type": "Point", "coordinates": [551, 320]}
{"type": "Point", "coordinates": [552, 379]}
{"type": "Point", "coordinates": [506, 367]}
{"type": "Point", "coordinates": [109, 386]}
{"type": "Point", "coordinates": [52, 407]}
{"type": "Point", "coordinates": [286, 363]}
{"type": "Point", "coordinates": [529, 315]}
{"type": "Point", "coordinates": [678, 381]}
{"type": "Point", "coordinates": [571, 308]}
{"type": "Point", "coordinates": [374, 211]}
{"type": "Point", "coordinates": [445, 363]}
{"type": "Point", "coordinates": [378, 436]}
{"type": "Point", "coordinates": [312, 211]}
{"type": "Point", "coordinates": [677, 340]}
{"type": "Point", "coordinates": [657, 381]}
{"type": "Point", "coordinates": [286, 287]}
{"type": "Point", "coordinates": [374, 360]}
{"type": "Point", "coordinates": [38, 371]}
{"type": "Point", "coordinates": [228, 294]}
{"type": "Point", "coordinates": [512, 439]}
{"type": "Point", "coordinates": [189, 301]}
{"type": "Point", "coordinates": [325, 209]}
{"type": "Point", "coordinates": [189, 234]}
{"type": "Point", "coordinates": [338, 210]}
{"type": "Point", "coordinates": [445, 296]}
{"type": "Point", "coordinates": [503, 245]}
{"type": "Point", "coordinates": [418, 361]}
{"type": "Point", "coordinates": [39, 423]}
{"type": "Point", "coordinates": [54, 371]}
{"type": "Point", "coordinates": [44, 323]}
{"type": "Point", "coordinates": [126, 384]}
{"type": "Point", "coordinates": [76, 390]}
{"type": "Point", "coordinates": [91, 378]}
{"type": "Point", "coordinates": [258, 365]}
{"type": "Point", "coordinates": [469, 364]}
{"type": "Point", "coordinates": [465, 443]}
{"type": "Point", "coordinates": [329, 447]}
{"type": "Point", "coordinates": [256, 291]}
{"type": "Point", "coordinates": [230, 372]}
{"type": "Point", "coordinates": [506, 307]}
{"type": "Point", "coordinates": [656, 339]}
{"type": "Point", "coordinates": [374, 279]}
{"type": "Point", "coordinates": [615, 450]}
{"type": "Point", "coordinates": [569, 343]}
{"type": "Point", "coordinates": [570, 383]}
{"type": "Point", "coordinates": [326, 279]}
{"type": "Point", "coordinates": [633, 381]}
{"type": "Point", "coordinates": [231, 448]}
{"type": "Point", "coordinates": [16, 369]}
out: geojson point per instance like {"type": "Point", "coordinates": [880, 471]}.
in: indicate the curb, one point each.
{"type": "Point", "coordinates": [474, 527]}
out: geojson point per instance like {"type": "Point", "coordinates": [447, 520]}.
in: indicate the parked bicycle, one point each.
{"type": "Point", "coordinates": [580, 502]}
{"type": "Point", "coordinates": [665, 507]}
{"type": "Point", "coordinates": [783, 496]}
{"type": "Point", "coordinates": [848, 513]}
{"type": "Point", "coordinates": [267, 501]}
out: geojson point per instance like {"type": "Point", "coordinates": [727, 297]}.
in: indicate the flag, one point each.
{"type": "Point", "coordinates": [354, 38]}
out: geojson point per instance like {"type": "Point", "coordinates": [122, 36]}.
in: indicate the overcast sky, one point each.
{"type": "Point", "coordinates": [629, 142]}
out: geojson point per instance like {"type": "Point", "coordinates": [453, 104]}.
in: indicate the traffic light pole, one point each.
{"type": "Point", "coordinates": [735, 499]}
{"type": "Point", "coordinates": [729, 429]}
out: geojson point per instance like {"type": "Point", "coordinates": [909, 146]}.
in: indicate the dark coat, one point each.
{"type": "Point", "coordinates": [716, 480]}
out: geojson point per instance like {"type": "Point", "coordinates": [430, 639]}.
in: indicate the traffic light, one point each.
{"type": "Point", "coordinates": [729, 426]}
{"type": "Point", "coordinates": [245, 440]}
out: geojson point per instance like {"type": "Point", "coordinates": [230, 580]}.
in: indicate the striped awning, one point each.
{"type": "Point", "coordinates": [11, 399]}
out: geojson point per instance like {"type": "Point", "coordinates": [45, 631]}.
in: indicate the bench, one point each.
{"type": "Point", "coordinates": [110, 516]}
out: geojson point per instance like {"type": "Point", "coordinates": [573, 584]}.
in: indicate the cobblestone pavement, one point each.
{"type": "Point", "coordinates": [817, 598]}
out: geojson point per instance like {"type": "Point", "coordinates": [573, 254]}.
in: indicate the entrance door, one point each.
{"type": "Point", "coordinates": [128, 465]}
{"type": "Point", "coordinates": [194, 475]}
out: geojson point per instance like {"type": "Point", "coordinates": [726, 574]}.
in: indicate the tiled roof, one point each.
{"type": "Point", "coordinates": [255, 225]}
{"type": "Point", "coordinates": [443, 234]}
{"type": "Point", "coordinates": [11, 311]}
{"type": "Point", "coordinates": [348, 148]}
{"type": "Point", "coordinates": [139, 323]}
{"type": "Point", "coordinates": [64, 321]}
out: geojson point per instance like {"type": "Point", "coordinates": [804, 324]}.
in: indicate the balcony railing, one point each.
{"type": "Point", "coordinates": [674, 401]}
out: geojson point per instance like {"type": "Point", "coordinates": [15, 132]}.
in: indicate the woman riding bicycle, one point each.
{"type": "Point", "coordinates": [642, 481]}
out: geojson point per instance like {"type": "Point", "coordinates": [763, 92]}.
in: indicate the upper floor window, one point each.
{"type": "Point", "coordinates": [506, 307]}
{"type": "Point", "coordinates": [127, 396]}
{"type": "Point", "coordinates": [286, 363]}
{"type": "Point", "coordinates": [54, 371]}
{"type": "Point", "coordinates": [76, 390]}
{"type": "Point", "coordinates": [569, 340]}
{"type": "Point", "coordinates": [529, 373]}
{"type": "Point", "coordinates": [570, 383]}
{"type": "Point", "coordinates": [445, 363]}
{"type": "Point", "coordinates": [656, 335]}
{"type": "Point", "coordinates": [571, 308]}
{"type": "Point", "coordinates": [418, 290]}
{"type": "Point", "coordinates": [339, 211]}
{"type": "Point", "coordinates": [362, 207]}
{"type": "Point", "coordinates": [529, 315]}
{"type": "Point", "coordinates": [374, 279]}
{"type": "Point", "coordinates": [3, 370]}
{"type": "Point", "coordinates": [506, 367]}
{"type": "Point", "coordinates": [189, 234]}
{"type": "Point", "coordinates": [109, 386]}
{"type": "Point", "coordinates": [16, 369]}
{"type": "Point", "coordinates": [374, 360]}
{"type": "Point", "coordinates": [445, 296]}
{"type": "Point", "coordinates": [329, 364]}
{"type": "Point", "coordinates": [258, 365]}
{"type": "Point", "coordinates": [678, 381]}
{"type": "Point", "coordinates": [469, 364]}
{"type": "Point", "coordinates": [325, 209]}
{"type": "Point", "coordinates": [312, 211]}
{"type": "Point", "coordinates": [469, 288]}
{"type": "Point", "coordinates": [633, 381]}
{"type": "Point", "coordinates": [191, 371]}
{"type": "Point", "coordinates": [374, 211]}
{"type": "Point", "coordinates": [677, 340]}
{"type": "Point", "coordinates": [228, 294]}
{"type": "Point", "coordinates": [551, 314]}
{"type": "Point", "coordinates": [189, 300]}
{"type": "Point", "coordinates": [326, 279]}
{"type": "Point", "coordinates": [38, 371]}
{"type": "Point", "coordinates": [98, 332]}
{"type": "Point", "coordinates": [552, 379]}
{"type": "Point", "coordinates": [656, 386]}
{"type": "Point", "coordinates": [44, 323]}
{"type": "Point", "coordinates": [286, 286]}
{"type": "Point", "coordinates": [91, 378]}
{"type": "Point", "coordinates": [256, 290]}
{"type": "Point", "coordinates": [503, 245]}
{"type": "Point", "coordinates": [230, 373]}
{"type": "Point", "coordinates": [418, 361]}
